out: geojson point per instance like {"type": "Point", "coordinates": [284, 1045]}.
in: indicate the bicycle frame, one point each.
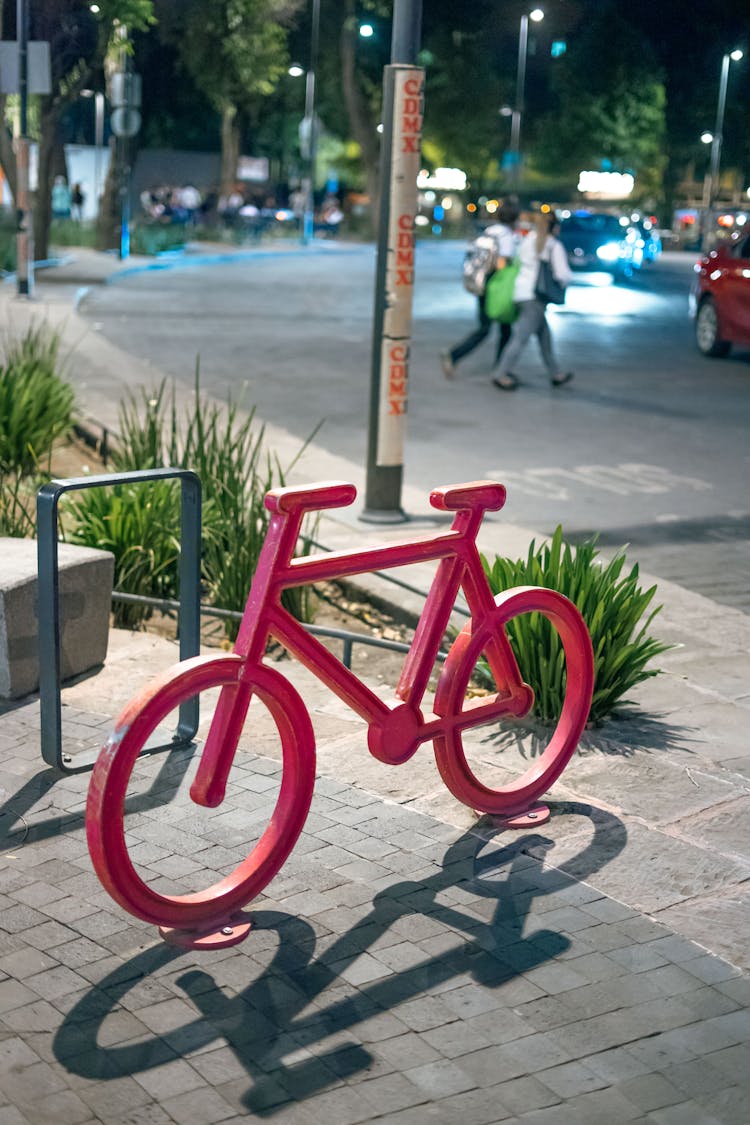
{"type": "Point", "coordinates": [459, 567]}
{"type": "Point", "coordinates": [215, 918]}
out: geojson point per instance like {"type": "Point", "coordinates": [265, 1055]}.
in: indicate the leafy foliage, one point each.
{"type": "Point", "coordinates": [36, 408]}
{"type": "Point", "coordinates": [610, 103]}
{"type": "Point", "coordinates": [611, 603]}
{"type": "Point", "coordinates": [140, 523]}
{"type": "Point", "coordinates": [36, 404]}
{"type": "Point", "coordinates": [234, 49]}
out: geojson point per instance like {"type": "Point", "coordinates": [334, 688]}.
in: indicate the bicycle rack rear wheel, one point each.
{"type": "Point", "coordinates": [515, 801]}
{"type": "Point", "coordinates": [210, 918]}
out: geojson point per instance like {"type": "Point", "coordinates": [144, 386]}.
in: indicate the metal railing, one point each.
{"type": "Point", "coordinates": [50, 707]}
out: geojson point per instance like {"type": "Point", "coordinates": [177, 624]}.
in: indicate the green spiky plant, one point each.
{"type": "Point", "coordinates": [36, 403]}
{"type": "Point", "coordinates": [36, 409]}
{"type": "Point", "coordinates": [227, 451]}
{"type": "Point", "coordinates": [617, 612]}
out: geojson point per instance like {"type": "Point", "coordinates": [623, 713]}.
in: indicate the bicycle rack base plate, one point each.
{"type": "Point", "coordinates": [537, 814]}
{"type": "Point", "coordinates": [234, 930]}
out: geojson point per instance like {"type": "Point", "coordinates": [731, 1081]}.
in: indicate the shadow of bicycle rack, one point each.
{"type": "Point", "coordinates": [50, 707]}
{"type": "Point", "coordinates": [289, 997]}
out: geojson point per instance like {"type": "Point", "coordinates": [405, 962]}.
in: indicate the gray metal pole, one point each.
{"type": "Point", "coordinates": [716, 142]}
{"type": "Point", "coordinates": [308, 221]}
{"type": "Point", "coordinates": [384, 481]}
{"type": "Point", "coordinates": [406, 33]}
{"type": "Point", "coordinates": [515, 125]}
{"type": "Point", "coordinates": [98, 145]}
{"type": "Point", "coordinates": [24, 234]}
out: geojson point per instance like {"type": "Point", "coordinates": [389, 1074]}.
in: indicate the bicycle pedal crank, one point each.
{"type": "Point", "coordinates": [231, 932]}
{"type": "Point", "coordinates": [537, 814]}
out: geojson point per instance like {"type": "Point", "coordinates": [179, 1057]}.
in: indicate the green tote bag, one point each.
{"type": "Point", "coordinates": [498, 298]}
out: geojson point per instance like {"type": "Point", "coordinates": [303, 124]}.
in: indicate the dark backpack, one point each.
{"type": "Point", "coordinates": [480, 262]}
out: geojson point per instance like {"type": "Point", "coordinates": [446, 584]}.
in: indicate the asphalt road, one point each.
{"type": "Point", "coordinates": [648, 447]}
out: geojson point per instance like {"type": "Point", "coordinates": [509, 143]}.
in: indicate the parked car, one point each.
{"type": "Point", "coordinates": [601, 242]}
{"type": "Point", "coordinates": [720, 296]}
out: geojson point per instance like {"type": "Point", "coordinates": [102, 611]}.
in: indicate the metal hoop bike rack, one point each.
{"type": "Point", "coordinates": [48, 499]}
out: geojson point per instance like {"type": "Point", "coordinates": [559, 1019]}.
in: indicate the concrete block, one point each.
{"type": "Point", "coordinates": [85, 584]}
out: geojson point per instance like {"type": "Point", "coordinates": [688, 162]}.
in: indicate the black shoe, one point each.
{"type": "Point", "coordinates": [561, 380]}
{"type": "Point", "coordinates": [507, 383]}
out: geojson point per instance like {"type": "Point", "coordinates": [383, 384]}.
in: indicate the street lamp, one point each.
{"type": "Point", "coordinates": [308, 221]}
{"type": "Point", "coordinates": [713, 175]}
{"type": "Point", "coordinates": [515, 126]}
{"type": "Point", "coordinates": [98, 137]}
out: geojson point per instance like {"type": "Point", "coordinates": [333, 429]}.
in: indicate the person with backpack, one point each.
{"type": "Point", "coordinates": [542, 276]}
{"type": "Point", "coordinates": [492, 250]}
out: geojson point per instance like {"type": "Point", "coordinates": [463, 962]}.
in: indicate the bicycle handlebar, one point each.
{"type": "Point", "coordinates": [311, 498]}
{"type": "Point", "coordinates": [479, 495]}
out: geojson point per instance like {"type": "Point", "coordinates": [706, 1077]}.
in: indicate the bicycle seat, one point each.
{"type": "Point", "coordinates": [311, 498]}
{"type": "Point", "coordinates": [478, 495]}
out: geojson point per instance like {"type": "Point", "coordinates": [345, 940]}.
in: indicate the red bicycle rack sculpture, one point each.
{"type": "Point", "coordinates": [214, 917]}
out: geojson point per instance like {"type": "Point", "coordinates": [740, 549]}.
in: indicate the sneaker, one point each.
{"type": "Point", "coordinates": [561, 380]}
{"type": "Point", "coordinates": [447, 364]}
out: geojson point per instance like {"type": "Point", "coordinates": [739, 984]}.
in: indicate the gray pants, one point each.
{"type": "Point", "coordinates": [531, 322]}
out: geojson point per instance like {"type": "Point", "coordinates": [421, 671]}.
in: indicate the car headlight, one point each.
{"type": "Point", "coordinates": [609, 252]}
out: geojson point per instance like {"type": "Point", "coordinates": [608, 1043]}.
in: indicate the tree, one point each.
{"type": "Point", "coordinates": [469, 75]}
{"type": "Point", "coordinates": [465, 82]}
{"type": "Point", "coordinates": [79, 41]}
{"type": "Point", "coordinates": [235, 51]}
{"type": "Point", "coordinates": [610, 104]}
{"type": "Point", "coordinates": [362, 99]}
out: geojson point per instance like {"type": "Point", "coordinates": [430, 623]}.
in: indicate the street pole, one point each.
{"type": "Point", "coordinates": [713, 175]}
{"type": "Point", "coordinates": [308, 220]}
{"type": "Point", "coordinates": [515, 123]}
{"type": "Point", "coordinates": [24, 228]}
{"type": "Point", "coordinates": [98, 144]}
{"type": "Point", "coordinates": [403, 85]}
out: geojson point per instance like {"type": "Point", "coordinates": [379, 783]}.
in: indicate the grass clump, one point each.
{"type": "Point", "coordinates": [140, 523]}
{"type": "Point", "coordinates": [617, 612]}
{"type": "Point", "coordinates": [36, 409]}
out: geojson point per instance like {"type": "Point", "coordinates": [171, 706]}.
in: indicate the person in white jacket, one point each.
{"type": "Point", "coordinates": [538, 245]}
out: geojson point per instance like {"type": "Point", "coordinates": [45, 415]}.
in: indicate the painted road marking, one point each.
{"type": "Point", "coordinates": [627, 479]}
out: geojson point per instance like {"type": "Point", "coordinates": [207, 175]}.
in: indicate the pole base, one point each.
{"type": "Point", "coordinates": [532, 818]}
{"type": "Point", "coordinates": [232, 932]}
{"type": "Point", "coordinates": [383, 516]}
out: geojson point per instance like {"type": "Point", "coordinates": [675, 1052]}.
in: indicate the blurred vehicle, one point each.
{"type": "Point", "coordinates": [720, 296]}
{"type": "Point", "coordinates": [648, 239]}
{"type": "Point", "coordinates": [601, 242]}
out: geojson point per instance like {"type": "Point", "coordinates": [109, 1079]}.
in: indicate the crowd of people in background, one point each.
{"type": "Point", "coordinates": [244, 211]}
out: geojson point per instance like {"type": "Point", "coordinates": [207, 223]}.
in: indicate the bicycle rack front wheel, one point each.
{"type": "Point", "coordinates": [516, 800]}
{"type": "Point", "coordinates": [209, 918]}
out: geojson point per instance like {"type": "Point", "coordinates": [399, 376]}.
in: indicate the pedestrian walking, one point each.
{"type": "Point", "coordinates": [541, 253]}
{"type": "Point", "coordinates": [60, 198]}
{"type": "Point", "coordinates": [506, 241]}
{"type": "Point", "coordinates": [77, 200]}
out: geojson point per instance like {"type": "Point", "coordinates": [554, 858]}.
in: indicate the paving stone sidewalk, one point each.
{"type": "Point", "coordinates": [401, 969]}
{"type": "Point", "coordinates": [409, 964]}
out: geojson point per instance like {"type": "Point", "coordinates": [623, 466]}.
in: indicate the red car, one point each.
{"type": "Point", "coordinates": [720, 296]}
